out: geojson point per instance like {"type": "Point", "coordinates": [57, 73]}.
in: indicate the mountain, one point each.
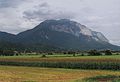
{"type": "Point", "coordinates": [10, 42]}
{"type": "Point", "coordinates": [4, 36]}
{"type": "Point", "coordinates": [58, 34]}
{"type": "Point", "coordinates": [65, 34]}
{"type": "Point", "coordinates": [5, 40]}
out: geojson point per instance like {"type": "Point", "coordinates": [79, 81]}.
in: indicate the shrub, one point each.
{"type": "Point", "coordinates": [82, 54]}
{"type": "Point", "coordinates": [94, 53]}
{"type": "Point", "coordinates": [43, 55]}
{"type": "Point", "coordinates": [108, 52]}
{"type": "Point", "coordinates": [64, 52]}
{"type": "Point", "coordinates": [71, 52]}
{"type": "Point", "coordinates": [74, 55]}
{"type": "Point", "coordinates": [7, 53]}
{"type": "Point", "coordinates": [117, 53]}
{"type": "Point", "coordinates": [50, 53]}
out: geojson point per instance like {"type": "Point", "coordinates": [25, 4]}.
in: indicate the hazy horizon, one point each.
{"type": "Point", "coordinates": [102, 16]}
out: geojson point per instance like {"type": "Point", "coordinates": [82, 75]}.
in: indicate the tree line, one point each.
{"type": "Point", "coordinates": [8, 53]}
{"type": "Point", "coordinates": [73, 52]}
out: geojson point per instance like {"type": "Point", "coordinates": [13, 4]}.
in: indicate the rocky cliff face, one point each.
{"type": "Point", "coordinates": [77, 29]}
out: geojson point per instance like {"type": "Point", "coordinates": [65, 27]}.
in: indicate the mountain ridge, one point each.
{"type": "Point", "coordinates": [61, 34]}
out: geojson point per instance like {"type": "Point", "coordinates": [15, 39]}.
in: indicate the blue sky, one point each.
{"type": "Point", "coordinates": [99, 15]}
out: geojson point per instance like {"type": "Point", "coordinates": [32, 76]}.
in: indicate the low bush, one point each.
{"type": "Point", "coordinates": [43, 56]}
{"type": "Point", "coordinates": [94, 53]}
{"type": "Point", "coordinates": [108, 52]}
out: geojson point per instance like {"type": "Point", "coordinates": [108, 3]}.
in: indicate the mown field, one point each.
{"type": "Point", "coordinates": [36, 74]}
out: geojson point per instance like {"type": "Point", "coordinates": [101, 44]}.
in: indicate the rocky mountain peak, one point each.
{"type": "Point", "coordinates": [60, 34]}
{"type": "Point", "coordinates": [72, 27]}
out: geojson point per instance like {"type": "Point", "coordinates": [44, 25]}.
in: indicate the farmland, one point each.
{"type": "Point", "coordinates": [60, 68]}
{"type": "Point", "coordinates": [78, 62]}
{"type": "Point", "coordinates": [35, 74]}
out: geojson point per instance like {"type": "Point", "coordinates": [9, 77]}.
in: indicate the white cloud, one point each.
{"type": "Point", "coordinates": [99, 15]}
{"type": "Point", "coordinates": [43, 12]}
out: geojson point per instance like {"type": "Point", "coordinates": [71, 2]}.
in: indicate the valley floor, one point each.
{"type": "Point", "coordinates": [36, 74]}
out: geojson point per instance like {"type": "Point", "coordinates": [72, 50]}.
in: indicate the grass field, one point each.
{"type": "Point", "coordinates": [64, 61]}
{"type": "Point", "coordinates": [64, 56]}
{"type": "Point", "coordinates": [35, 74]}
{"type": "Point", "coordinates": [38, 74]}
{"type": "Point", "coordinates": [58, 57]}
